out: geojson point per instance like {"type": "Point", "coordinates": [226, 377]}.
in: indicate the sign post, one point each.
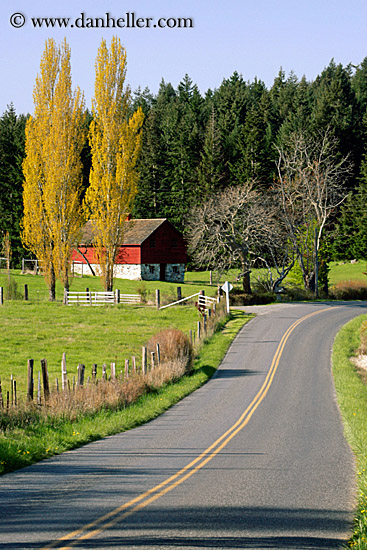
{"type": "Point", "coordinates": [227, 287]}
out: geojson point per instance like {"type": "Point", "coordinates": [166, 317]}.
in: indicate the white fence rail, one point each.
{"type": "Point", "coordinates": [204, 302]}
{"type": "Point", "coordinates": [100, 298]}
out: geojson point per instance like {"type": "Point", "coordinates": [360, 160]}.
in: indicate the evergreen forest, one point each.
{"type": "Point", "coordinates": [195, 145]}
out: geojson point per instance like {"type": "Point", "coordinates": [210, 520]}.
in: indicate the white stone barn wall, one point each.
{"type": "Point", "coordinates": [174, 273]}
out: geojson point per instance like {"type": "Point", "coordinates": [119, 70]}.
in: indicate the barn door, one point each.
{"type": "Point", "coordinates": [162, 275]}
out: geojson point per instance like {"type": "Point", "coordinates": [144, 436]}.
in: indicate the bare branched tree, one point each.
{"type": "Point", "coordinates": [310, 187]}
{"type": "Point", "coordinates": [229, 230]}
{"type": "Point", "coordinates": [278, 254]}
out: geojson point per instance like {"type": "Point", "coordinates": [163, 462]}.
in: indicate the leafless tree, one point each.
{"type": "Point", "coordinates": [229, 230]}
{"type": "Point", "coordinates": [310, 187]}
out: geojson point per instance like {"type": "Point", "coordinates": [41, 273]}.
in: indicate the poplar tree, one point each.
{"type": "Point", "coordinates": [115, 141]}
{"type": "Point", "coordinates": [55, 136]}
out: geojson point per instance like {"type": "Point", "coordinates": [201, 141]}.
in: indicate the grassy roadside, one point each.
{"type": "Point", "coordinates": [21, 447]}
{"type": "Point", "coordinates": [352, 399]}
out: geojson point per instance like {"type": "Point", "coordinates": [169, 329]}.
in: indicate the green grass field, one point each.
{"type": "Point", "coordinates": [38, 329]}
{"type": "Point", "coordinates": [340, 271]}
{"type": "Point", "coordinates": [352, 398]}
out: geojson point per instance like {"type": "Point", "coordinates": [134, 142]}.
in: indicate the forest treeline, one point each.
{"type": "Point", "coordinates": [195, 145]}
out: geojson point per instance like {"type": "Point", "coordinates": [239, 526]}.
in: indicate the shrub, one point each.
{"type": "Point", "coordinates": [11, 289]}
{"type": "Point", "coordinates": [143, 293]}
{"type": "Point", "coordinates": [175, 349]}
{"type": "Point", "coordinates": [294, 293]}
{"type": "Point", "coordinates": [240, 298]}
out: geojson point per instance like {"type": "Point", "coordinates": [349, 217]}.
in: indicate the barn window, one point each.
{"type": "Point", "coordinates": [175, 268]}
{"type": "Point", "coordinates": [151, 269]}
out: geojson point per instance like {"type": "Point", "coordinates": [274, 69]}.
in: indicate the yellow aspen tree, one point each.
{"type": "Point", "coordinates": [52, 168]}
{"type": "Point", "coordinates": [115, 141]}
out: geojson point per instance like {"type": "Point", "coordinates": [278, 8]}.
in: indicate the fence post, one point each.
{"type": "Point", "coordinates": [152, 354]}
{"type": "Point", "coordinates": [199, 330]}
{"type": "Point", "coordinates": [65, 300]}
{"type": "Point", "coordinates": [104, 371]}
{"type": "Point", "coordinates": [190, 333]}
{"type": "Point", "coordinates": [126, 369]}
{"type": "Point", "coordinates": [26, 292]}
{"type": "Point", "coordinates": [144, 360]}
{"type": "Point", "coordinates": [117, 296]}
{"type": "Point", "coordinates": [1, 295]}
{"type": "Point", "coordinates": [179, 293]}
{"type": "Point", "coordinates": [158, 298]}
{"type": "Point", "coordinates": [46, 386]}
{"type": "Point", "coordinates": [81, 371]}
{"type": "Point", "coordinates": [30, 380]}
{"type": "Point", "coordinates": [113, 371]}
{"type": "Point", "coordinates": [39, 388]}
{"type": "Point", "coordinates": [158, 354]}
{"type": "Point", "coordinates": [64, 374]}
{"type": "Point", "coordinates": [133, 361]}
{"type": "Point", "coordinates": [94, 371]}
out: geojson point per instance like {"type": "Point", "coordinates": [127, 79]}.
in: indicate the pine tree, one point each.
{"type": "Point", "coordinates": [211, 168]}
{"type": "Point", "coordinates": [12, 151]}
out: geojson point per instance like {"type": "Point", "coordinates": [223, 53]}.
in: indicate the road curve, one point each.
{"type": "Point", "coordinates": [254, 459]}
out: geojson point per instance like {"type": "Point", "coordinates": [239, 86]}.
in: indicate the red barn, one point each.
{"type": "Point", "coordinates": [152, 250]}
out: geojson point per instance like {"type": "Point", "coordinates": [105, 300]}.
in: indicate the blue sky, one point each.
{"type": "Point", "coordinates": [253, 38]}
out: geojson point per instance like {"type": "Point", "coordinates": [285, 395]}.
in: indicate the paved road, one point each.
{"type": "Point", "coordinates": [254, 459]}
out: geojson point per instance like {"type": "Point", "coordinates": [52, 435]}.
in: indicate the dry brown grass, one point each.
{"type": "Point", "coordinates": [102, 394]}
{"type": "Point", "coordinates": [349, 290]}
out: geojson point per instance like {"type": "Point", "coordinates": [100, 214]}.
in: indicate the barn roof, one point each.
{"type": "Point", "coordinates": [136, 231]}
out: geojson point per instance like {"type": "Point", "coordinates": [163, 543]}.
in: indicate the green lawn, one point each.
{"type": "Point", "coordinates": [340, 271]}
{"type": "Point", "coordinates": [39, 329]}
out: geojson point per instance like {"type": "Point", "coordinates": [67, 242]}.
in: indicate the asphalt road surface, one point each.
{"type": "Point", "coordinates": [254, 459]}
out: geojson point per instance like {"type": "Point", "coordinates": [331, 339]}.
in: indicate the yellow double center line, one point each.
{"type": "Point", "coordinates": [107, 521]}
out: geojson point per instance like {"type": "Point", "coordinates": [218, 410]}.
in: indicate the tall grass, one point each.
{"type": "Point", "coordinates": [349, 290]}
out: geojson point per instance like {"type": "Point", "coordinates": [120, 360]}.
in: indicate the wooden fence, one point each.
{"type": "Point", "coordinates": [149, 361]}
{"type": "Point", "coordinates": [89, 298]}
{"type": "Point", "coordinates": [203, 303]}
